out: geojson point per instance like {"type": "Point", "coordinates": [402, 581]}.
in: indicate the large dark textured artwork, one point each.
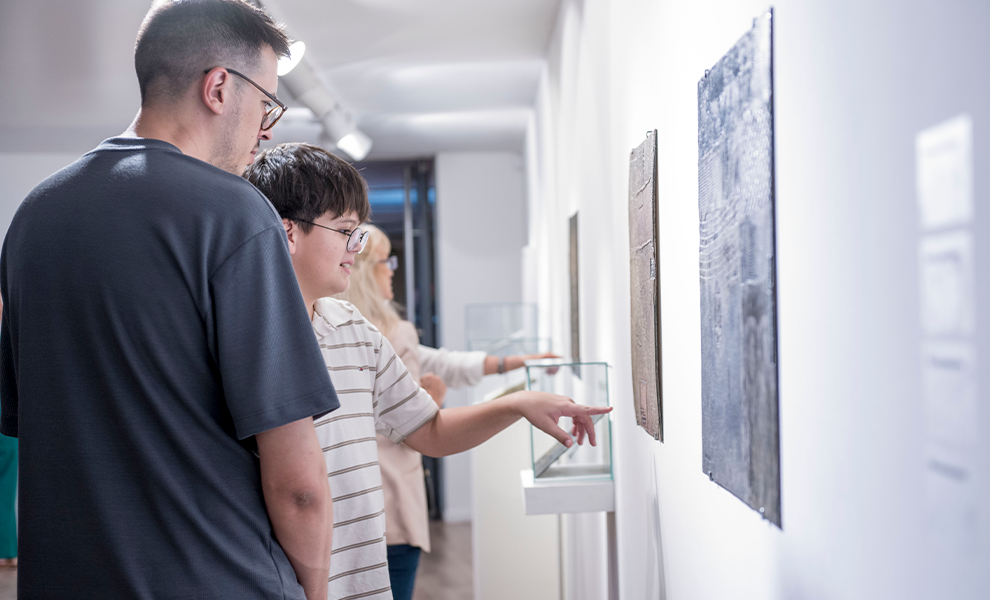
{"type": "Point", "coordinates": [644, 266]}
{"type": "Point", "coordinates": [741, 451]}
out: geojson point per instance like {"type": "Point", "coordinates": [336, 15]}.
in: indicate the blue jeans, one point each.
{"type": "Point", "coordinates": [402, 562]}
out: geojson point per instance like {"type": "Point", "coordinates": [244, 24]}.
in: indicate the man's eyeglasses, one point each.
{"type": "Point", "coordinates": [357, 238]}
{"type": "Point", "coordinates": [275, 108]}
{"type": "Point", "coordinates": [392, 262]}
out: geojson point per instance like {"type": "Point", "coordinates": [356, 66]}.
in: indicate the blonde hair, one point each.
{"type": "Point", "coordinates": [364, 292]}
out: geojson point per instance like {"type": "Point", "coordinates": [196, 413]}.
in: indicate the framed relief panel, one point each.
{"type": "Point", "coordinates": [644, 275]}
{"type": "Point", "coordinates": [740, 446]}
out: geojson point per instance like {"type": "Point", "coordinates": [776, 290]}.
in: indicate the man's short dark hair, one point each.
{"type": "Point", "coordinates": [305, 182]}
{"type": "Point", "coordinates": [179, 39]}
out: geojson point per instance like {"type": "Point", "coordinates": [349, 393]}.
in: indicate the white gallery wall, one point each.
{"type": "Point", "coordinates": [854, 83]}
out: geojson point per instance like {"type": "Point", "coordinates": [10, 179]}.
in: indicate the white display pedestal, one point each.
{"type": "Point", "coordinates": [566, 495]}
{"type": "Point", "coordinates": [560, 496]}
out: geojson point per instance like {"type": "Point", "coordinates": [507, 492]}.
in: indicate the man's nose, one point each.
{"type": "Point", "coordinates": [265, 134]}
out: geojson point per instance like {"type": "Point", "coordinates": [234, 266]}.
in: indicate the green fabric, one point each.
{"type": "Point", "coordinates": [8, 494]}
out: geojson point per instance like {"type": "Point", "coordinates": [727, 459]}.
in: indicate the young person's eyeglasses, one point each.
{"type": "Point", "coordinates": [357, 238]}
{"type": "Point", "coordinates": [392, 262]}
{"type": "Point", "coordinates": [275, 109]}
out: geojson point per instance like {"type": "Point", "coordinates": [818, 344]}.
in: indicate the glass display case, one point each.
{"type": "Point", "coordinates": [510, 346]}
{"type": "Point", "coordinates": [504, 329]}
{"type": "Point", "coordinates": [586, 383]}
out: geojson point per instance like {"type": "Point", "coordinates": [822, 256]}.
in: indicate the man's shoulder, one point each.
{"type": "Point", "coordinates": [152, 168]}
{"type": "Point", "coordinates": [209, 187]}
{"type": "Point", "coordinates": [157, 196]}
{"type": "Point", "coordinates": [160, 168]}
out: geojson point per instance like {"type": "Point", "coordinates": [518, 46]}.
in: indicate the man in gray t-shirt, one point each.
{"type": "Point", "coordinates": [157, 360]}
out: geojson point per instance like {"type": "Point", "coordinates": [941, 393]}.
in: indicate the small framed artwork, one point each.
{"type": "Point", "coordinates": [644, 275]}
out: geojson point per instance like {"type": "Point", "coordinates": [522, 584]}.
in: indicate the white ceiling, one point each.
{"type": "Point", "coordinates": [420, 76]}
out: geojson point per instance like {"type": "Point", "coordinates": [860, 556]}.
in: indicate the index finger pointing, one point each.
{"type": "Point", "coordinates": [577, 410]}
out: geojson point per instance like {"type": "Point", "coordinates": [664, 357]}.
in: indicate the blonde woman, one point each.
{"type": "Point", "coordinates": [402, 467]}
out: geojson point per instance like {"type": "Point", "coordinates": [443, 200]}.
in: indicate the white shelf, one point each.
{"type": "Point", "coordinates": [556, 496]}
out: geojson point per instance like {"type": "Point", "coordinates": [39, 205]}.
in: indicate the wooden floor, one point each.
{"type": "Point", "coordinates": [444, 574]}
{"type": "Point", "coordinates": [8, 584]}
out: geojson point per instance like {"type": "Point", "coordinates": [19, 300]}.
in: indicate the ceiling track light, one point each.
{"type": "Point", "coordinates": [304, 84]}
{"type": "Point", "coordinates": [338, 122]}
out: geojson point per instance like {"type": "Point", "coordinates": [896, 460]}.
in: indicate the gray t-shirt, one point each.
{"type": "Point", "coordinates": [152, 325]}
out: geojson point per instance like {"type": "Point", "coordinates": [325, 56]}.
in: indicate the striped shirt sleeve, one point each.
{"type": "Point", "coordinates": [401, 406]}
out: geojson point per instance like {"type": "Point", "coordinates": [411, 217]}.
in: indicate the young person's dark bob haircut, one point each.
{"type": "Point", "coordinates": [305, 182]}
{"type": "Point", "coordinates": [179, 39]}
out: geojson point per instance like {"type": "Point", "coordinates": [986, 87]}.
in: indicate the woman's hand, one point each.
{"type": "Point", "coordinates": [516, 362]}
{"type": "Point", "coordinates": [434, 386]}
{"type": "Point", "coordinates": [544, 355]}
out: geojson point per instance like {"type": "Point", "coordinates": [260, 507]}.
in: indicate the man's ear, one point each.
{"type": "Point", "coordinates": [215, 89]}
{"type": "Point", "coordinates": [291, 231]}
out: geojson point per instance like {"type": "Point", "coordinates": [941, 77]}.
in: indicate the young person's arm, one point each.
{"type": "Point", "coordinates": [401, 402]}
{"type": "Point", "coordinates": [458, 429]}
{"type": "Point", "coordinates": [297, 493]}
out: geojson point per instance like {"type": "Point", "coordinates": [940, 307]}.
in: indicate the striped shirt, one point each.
{"type": "Point", "coordinates": [377, 395]}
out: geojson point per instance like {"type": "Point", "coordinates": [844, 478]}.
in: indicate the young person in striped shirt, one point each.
{"type": "Point", "coordinates": [322, 201]}
{"type": "Point", "coordinates": [370, 291]}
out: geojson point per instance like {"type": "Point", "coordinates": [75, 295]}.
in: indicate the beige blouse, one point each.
{"type": "Point", "coordinates": [406, 518]}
